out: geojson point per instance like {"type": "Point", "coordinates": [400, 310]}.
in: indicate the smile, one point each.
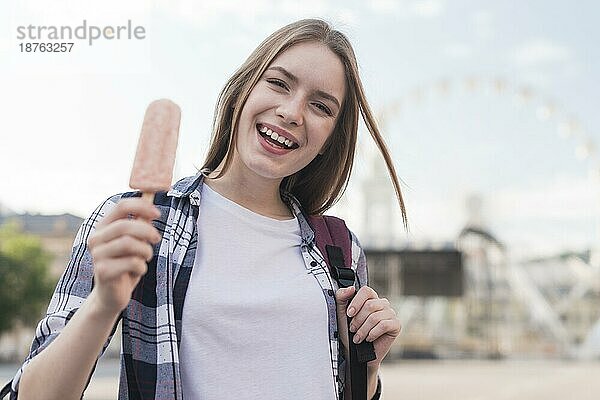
{"type": "Point", "coordinates": [275, 138]}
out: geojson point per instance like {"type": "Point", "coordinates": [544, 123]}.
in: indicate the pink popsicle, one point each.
{"type": "Point", "coordinates": [155, 156]}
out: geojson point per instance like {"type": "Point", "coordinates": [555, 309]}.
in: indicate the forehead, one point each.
{"type": "Point", "coordinates": [315, 66]}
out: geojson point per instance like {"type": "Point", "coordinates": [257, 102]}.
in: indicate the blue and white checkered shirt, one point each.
{"type": "Point", "coordinates": [152, 320]}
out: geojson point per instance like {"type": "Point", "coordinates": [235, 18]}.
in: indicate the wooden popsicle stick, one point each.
{"type": "Point", "coordinates": [148, 196]}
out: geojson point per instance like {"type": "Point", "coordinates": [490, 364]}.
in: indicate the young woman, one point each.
{"type": "Point", "coordinates": [219, 285]}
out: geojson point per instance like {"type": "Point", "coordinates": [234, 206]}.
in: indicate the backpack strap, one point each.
{"type": "Point", "coordinates": [333, 240]}
{"type": "Point", "coordinates": [332, 231]}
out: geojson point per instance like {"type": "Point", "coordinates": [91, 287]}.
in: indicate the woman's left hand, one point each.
{"type": "Point", "coordinates": [373, 320]}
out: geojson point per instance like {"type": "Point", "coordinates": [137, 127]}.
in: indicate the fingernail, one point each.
{"type": "Point", "coordinates": [356, 339]}
{"type": "Point", "coordinates": [351, 311]}
{"type": "Point", "coordinates": [352, 328]}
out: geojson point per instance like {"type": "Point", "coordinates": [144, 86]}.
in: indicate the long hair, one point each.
{"type": "Point", "coordinates": [320, 184]}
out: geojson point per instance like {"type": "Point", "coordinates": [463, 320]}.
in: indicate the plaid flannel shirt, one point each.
{"type": "Point", "coordinates": [151, 323]}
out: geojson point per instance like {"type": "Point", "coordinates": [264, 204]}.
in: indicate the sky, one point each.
{"type": "Point", "coordinates": [477, 98]}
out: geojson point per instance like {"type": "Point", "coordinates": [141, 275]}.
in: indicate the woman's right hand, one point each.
{"type": "Point", "coordinates": [120, 248]}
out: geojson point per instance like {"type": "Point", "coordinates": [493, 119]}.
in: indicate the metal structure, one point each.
{"type": "Point", "coordinates": [548, 307]}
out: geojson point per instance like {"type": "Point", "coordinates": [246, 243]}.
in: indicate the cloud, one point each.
{"type": "Point", "coordinates": [384, 6]}
{"type": "Point", "coordinates": [348, 17]}
{"type": "Point", "coordinates": [199, 14]}
{"type": "Point", "coordinates": [539, 52]}
{"type": "Point", "coordinates": [205, 13]}
{"type": "Point", "coordinates": [483, 24]}
{"type": "Point", "coordinates": [549, 217]}
{"type": "Point", "coordinates": [563, 198]}
{"type": "Point", "coordinates": [414, 9]}
{"type": "Point", "coordinates": [457, 50]}
{"type": "Point", "coordinates": [428, 8]}
{"type": "Point", "coordinates": [246, 12]}
{"type": "Point", "coordinates": [537, 219]}
{"type": "Point", "coordinates": [61, 11]}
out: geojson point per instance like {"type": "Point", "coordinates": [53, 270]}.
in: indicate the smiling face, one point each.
{"type": "Point", "coordinates": [291, 112]}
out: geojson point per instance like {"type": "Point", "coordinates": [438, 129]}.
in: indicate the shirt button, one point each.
{"type": "Point", "coordinates": [330, 292]}
{"type": "Point", "coordinates": [313, 263]}
{"type": "Point", "coordinates": [335, 334]}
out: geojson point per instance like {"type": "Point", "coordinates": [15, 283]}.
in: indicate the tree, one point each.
{"type": "Point", "coordinates": [25, 278]}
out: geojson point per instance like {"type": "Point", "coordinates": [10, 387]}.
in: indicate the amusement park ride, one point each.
{"type": "Point", "coordinates": [469, 298]}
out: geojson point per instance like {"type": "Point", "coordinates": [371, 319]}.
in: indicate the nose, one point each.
{"type": "Point", "coordinates": [291, 111]}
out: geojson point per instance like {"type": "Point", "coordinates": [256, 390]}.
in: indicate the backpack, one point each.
{"type": "Point", "coordinates": [333, 240]}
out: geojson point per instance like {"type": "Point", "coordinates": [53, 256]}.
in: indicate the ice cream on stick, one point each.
{"type": "Point", "coordinates": [155, 156]}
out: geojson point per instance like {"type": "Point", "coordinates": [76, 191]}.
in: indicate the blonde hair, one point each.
{"type": "Point", "coordinates": [320, 184]}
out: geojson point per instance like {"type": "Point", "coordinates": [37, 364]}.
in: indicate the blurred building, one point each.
{"type": "Point", "coordinates": [56, 233]}
{"type": "Point", "coordinates": [470, 299]}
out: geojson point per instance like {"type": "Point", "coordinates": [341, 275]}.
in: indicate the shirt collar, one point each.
{"type": "Point", "coordinates": [191, 187]}
{"type": "Point", "coordinates": [187, 186]}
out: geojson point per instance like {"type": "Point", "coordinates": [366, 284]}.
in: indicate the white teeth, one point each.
{"type": "Point", "coordinates": [275, 136]}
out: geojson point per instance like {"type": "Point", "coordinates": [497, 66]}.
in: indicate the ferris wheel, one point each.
{"type": "Point", "coordinates": [558, 122]}
{"type": "Point", "coordinates": [563, 124]}
{"type": "Point", "coordinates": [566, 124]}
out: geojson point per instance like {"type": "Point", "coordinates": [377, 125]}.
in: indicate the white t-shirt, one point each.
{"type": "Point", "coordinates": [255, 322]}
